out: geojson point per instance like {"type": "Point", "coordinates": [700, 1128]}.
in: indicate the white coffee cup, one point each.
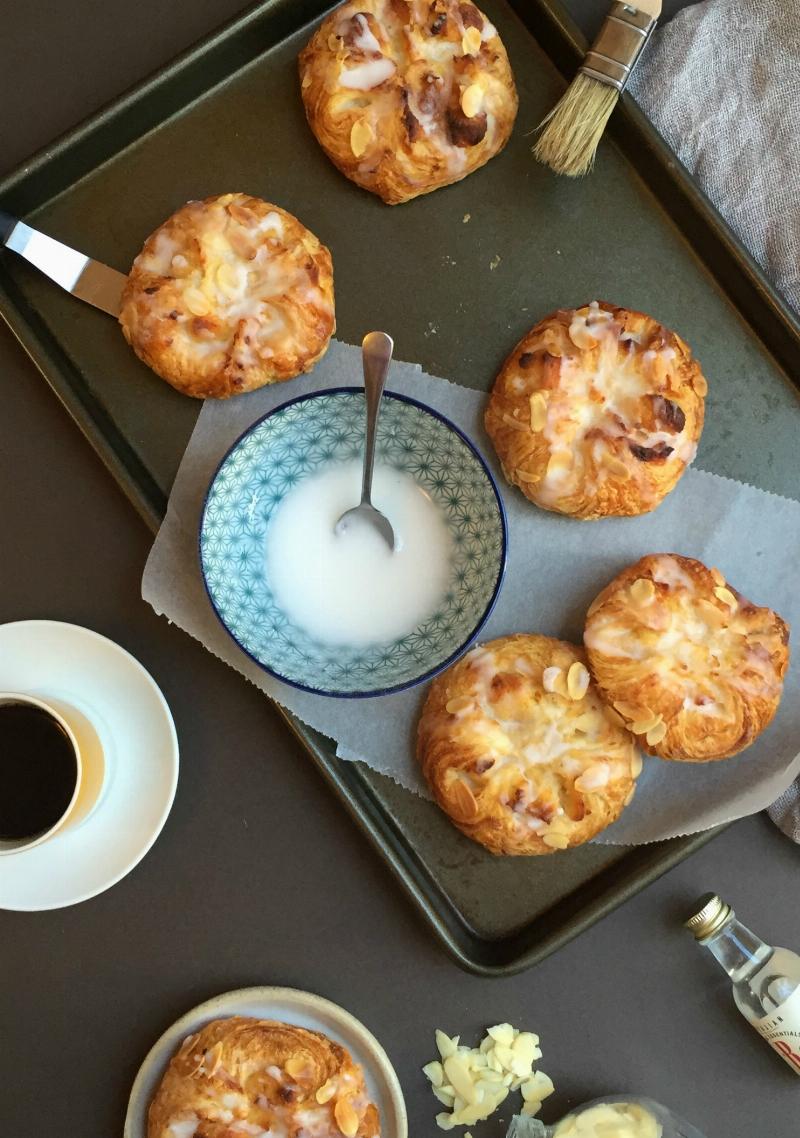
{"type": "Point", "coordinates": [89, 762]}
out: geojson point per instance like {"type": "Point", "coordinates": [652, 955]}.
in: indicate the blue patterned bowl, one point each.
{"type": "Point", "coordinates": [291, 443]}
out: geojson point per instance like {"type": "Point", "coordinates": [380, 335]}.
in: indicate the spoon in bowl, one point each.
{"type": "Point", "coordinates": [376, 355]}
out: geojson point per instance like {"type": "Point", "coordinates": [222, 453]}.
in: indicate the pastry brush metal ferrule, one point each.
{"type": "Point", "coordinates": [89, 280]}
{"type": "Point", "coordinates": [573, 129]}
{"type": "Point", "coordinates": [620, 42]}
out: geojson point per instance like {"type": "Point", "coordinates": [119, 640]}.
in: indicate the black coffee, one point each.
{"type": "Point", "coordinates": [38, 771]}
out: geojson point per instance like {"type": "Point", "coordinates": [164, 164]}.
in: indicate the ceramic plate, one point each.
{"type": "Point", "coordinates": [296, 440]}
{"type": "Point", "coordinates": [65, 662]}
{"type": "Point", "coordinates": [289, 1006]}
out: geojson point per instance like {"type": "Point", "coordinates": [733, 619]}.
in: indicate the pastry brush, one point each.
{"type": "Point", "coordinates": [573, 129]}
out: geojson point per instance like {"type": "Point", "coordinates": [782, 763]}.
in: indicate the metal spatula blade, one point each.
{"type": "Point", "coordinates": [89, 280]}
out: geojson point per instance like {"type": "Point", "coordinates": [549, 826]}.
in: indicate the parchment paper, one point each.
{"type": "Point", "coordinates": [556, 566]}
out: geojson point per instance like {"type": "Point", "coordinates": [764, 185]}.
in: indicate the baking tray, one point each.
{"type": "Point", "coordinates": [226, 116]}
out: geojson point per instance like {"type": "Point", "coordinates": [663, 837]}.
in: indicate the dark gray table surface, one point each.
{"type": "Point", "coordinates": [259, 877]}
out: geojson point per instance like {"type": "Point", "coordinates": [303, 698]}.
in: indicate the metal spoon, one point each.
{"type": "Point", "coordinates": [376, 355]}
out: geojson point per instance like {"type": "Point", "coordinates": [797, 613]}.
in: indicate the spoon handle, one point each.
{"type": "Point", "coordinates": [376, 355]}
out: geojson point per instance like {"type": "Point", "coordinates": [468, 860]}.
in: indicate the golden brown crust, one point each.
{"type": "Point", "coordinates": [405, 96]}
{"type": "Point", "coordinates": [597, 412]}
{"type": "Point", "coordinates": [227, 295]}
{"type": "Point", "coordinates": [519, 749]}
{"type": "Point", "coordinates": [693, 667]}
{"type": "Point", "coordinates": [244, 1076]}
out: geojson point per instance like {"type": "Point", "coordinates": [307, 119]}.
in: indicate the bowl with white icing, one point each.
{"type": "Point", "coordinates": [343, 615]}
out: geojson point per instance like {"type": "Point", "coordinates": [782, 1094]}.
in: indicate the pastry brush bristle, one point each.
{"type": "Point", "coordinates": [575, 126]}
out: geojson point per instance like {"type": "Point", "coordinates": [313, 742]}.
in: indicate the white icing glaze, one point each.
{"type": "Point", "coordinates": [605, 401]}
{"type": "Point", "coordinates": [367, 75]}
{"type": "Point", "coordinates": [365, 40]}
{"type": "Point", "coordinates": [183, 1127]}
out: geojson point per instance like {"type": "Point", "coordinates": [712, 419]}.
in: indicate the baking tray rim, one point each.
{"type": "Point", "coordinates": [139, 486]}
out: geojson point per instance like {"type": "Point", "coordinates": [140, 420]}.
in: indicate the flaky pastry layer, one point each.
{"type": "Point", "coordinates": [694, 668]}
{"type": "Point", "coordinates": [405, 96]}
{"type": "Point", "coordinates": [243, 1076]}
{"type": "Point", "coordinates": [519, 749]}
{"type": "Point", "coordinates": [597, 412]}
{"type": "Point", "coordinates": [229, 294]}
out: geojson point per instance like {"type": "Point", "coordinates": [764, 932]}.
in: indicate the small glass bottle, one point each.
{"type": "Point", "coordinates": [766, 980]}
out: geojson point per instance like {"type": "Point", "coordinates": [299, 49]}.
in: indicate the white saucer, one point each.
{"type": "Point", "coordinates": [131, 716]}
{"type": "Point", "coordinates": [289, 1006]}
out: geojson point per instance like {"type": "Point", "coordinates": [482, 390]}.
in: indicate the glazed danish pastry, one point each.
{"type": "Point", "coordinates": [597, 411]}
{"type": "Point", "coordinates": [405, 96]}
{"type": "Point", "coordinates": [243, 1076]}
{"type": "Point", "coordinates": [519, 749]}
{"type": "Point", "coordinates": [693, 667]}
{"type": "Point", "coordinates": [228, 294]}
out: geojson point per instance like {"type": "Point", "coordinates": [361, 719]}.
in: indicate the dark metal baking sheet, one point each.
{"type": "Point", "coordinates": [226, 116]}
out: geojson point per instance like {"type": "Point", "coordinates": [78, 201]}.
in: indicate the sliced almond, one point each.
{"type": "Point", "coordinates": [648, 722]}
{"type": "Point", "coordinates": [445, 1095]}
{"type": "Point", "coordinates": [460, 703]}
{"type": "Point", "coordinates": [502, 1033]}
{"type": "Point", "coordinates": [472, 100]}
{"type": "Point", "coordinates": [631, 711]}
{"type": "Point", "coordinates": [643, 591]}
{"type": "Point", "coordinates": [615, 465]}
{"type": "Point", "coordinates": [656, 734]}
{"type": "Point", "coordinates": [197, 302]}
{"type": "Point", "coordinates": [577, 681]}
{"type": "Point", "coordinates": [306, 83]}
{"type": "Point", "coordinates": [726, 596]}
{"type": "Point", "coordinates": [717, 577]}
{"type": "Point", "coordinates": [585, 723]}
{"type": "Point", "coordinates": [593, 778]}
{"type": "Point", "coordinates": [527, 476]}
{"type": "Point", "coordinates": [445, 1121]}
{"type": "Point", "coordinates": [346, 1117]}
{"type": "Point", "coordinates": [471, 41]}
{"type": "Point", "coordinates": [554, 680]}
{"type": "Point", "coordinates": [556, 841]}
{"type": "Point", "coordinates": [700, 385]}
{"type": "Point", "coordinates": [713, 615]}
{"type": "Point", "coordinates": [636, 764]}
{"type": "Point", "coordinates": [326, 1092]}
{"type": "Point", "coordinates": [458, 1074]}
{"type": "Point", "coordinates": [538, 402]}
{"type": "Point", "coordinates": [297, 1068]}
{"type": "Point", "coordinates": [435, 1072]}
{"type": "Point", "coordinates": [445, 1045]}
{"type": "Point", "coordinates": [361, 136]}
{"type": "Point", "coordinates": [228, 280]}
{"type": "Point", "coordinates": [463, 800]}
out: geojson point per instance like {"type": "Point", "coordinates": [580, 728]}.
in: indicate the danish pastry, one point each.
{"type": "Point", "coordinates": [405, 96]}
{"type": "Point", "coordinates": [693, 667]}
{"type": "Point", "coordinates": [228, 294]}
{"type": "Point", "coordinates": [519, 749]}
{"type": "Point", "coordinates": [242, 1076]}
{"type": "Point", "coordinates": [597, 411]}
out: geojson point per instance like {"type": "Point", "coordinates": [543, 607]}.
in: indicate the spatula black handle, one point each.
{"type": "Point", "coordinates": [7, 223]}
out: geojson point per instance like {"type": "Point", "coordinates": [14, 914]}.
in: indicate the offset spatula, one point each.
{"type": "Point", "coordinates": [89, 280]}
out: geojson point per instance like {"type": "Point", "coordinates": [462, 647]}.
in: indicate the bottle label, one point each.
{"type": "Point", "coordinates": [781, 1029]}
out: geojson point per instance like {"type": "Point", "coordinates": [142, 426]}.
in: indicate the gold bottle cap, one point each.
{"type": "Point", "coordinates": [711, 915]}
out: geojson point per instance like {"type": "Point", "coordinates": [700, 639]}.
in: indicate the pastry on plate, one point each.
{"type": "Point", "coordinates": [694, 668]}
{"type": "Point", "coordinates": [228, 294]}
{"type": "Point", "coordinates": [405, 96]}
{"type": "Point", "coordinates": [520, 750]}
{"type": "Point", "coordinates": [597, 412]}
{"type": "Point", "coordinates": [240, 1076]}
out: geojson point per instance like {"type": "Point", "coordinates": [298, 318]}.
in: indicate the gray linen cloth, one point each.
{"type": "Point", "coordinates": [721, 82]}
